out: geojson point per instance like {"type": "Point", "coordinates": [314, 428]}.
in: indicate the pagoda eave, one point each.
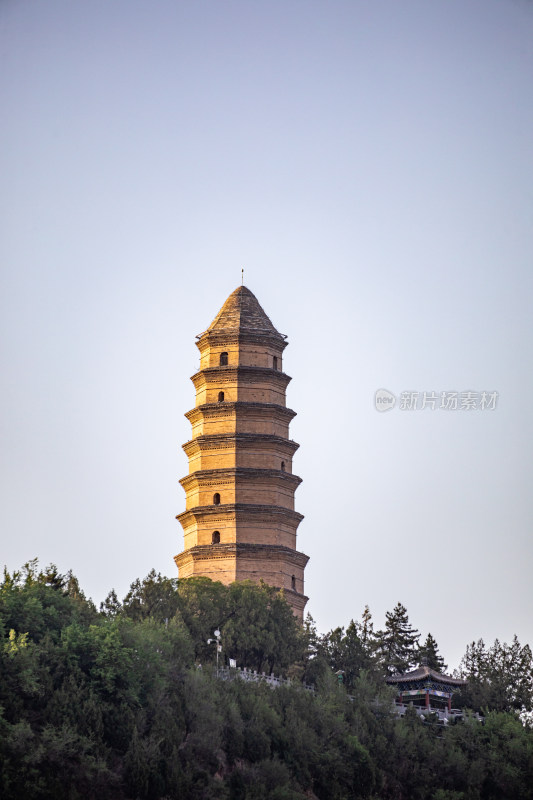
{"type": "Point", "coordinates": [237, 549]}
{"type": "Point", "coordinates": [208, 477]}
{"type": "Point", "coordinates": [230, 440]}
{"type": "Point", "coordinates": [239, 510]}
{"type": "Point", "coordinates": [228, 408]}
{"type": "Point", "coordinates": [239, 375]}
{"type": "Point", "coordinates": [223, 336]}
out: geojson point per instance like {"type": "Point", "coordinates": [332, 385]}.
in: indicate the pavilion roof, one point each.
{"type": "Point", "coordinates": [424, 672]}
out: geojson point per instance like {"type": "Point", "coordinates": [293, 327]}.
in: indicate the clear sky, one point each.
{"type": "Point", "coordinates": [370, 164]}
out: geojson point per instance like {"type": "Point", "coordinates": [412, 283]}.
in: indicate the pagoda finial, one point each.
{"type": "Point", "coordinates": [242, 276]}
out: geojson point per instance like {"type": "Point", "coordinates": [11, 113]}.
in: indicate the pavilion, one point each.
{"type": "Point", "coordinates": [427, 689]}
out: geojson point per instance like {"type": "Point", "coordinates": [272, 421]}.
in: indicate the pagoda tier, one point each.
{"type": "Point", "coordinates": [240, 522]}
{"type": "Point", "coordinates": [241, 485]}
{"type": "Point", "coordinates": [228, 417]}
{"type": "Point", "coordinates": [275, 565]}
{"type": "Point", "coordinates": [247, 384]}
{"type": "Point", "coordinates": [223, 450]}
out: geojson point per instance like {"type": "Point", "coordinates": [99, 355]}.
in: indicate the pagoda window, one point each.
{"type": "Point", "coordinates": [223, 360]}
{"type": "Point", "coordinates": [283, 466]}
{"type": "Point", "coordinates": [293, 583]}
{"type": "Point", "coordinates": [215, 538]}
{"type": "Point", "coordinates": [216, 499]}
{"type": "Point", "coordinates": [275, 362]}
{"type": "Point", "coordinates": [221, 397]}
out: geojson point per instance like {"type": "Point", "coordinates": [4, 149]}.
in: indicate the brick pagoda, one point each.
{"type": "Point", "coordinates": [240, 523]}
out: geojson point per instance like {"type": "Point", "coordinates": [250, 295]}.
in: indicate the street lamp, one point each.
{"type": "Point", "coordinates": [219, 646]}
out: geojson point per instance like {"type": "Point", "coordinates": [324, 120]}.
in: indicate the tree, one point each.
{"type": "Point", "coordinates": [154, 597]}
{"type": "Point", "coordinates": [499, 678]}
{"type": "Point", "coordinates": [344, 651]}
{"type": "Point", "coordinates": [203, 607]}
{"type": "Point", "coordinates": [396, 645]}
{"type": "Point", "coordinates": [261, 631]}
{"type": "Point", "coordinates": [111, 606]}
{"type": "Point", "coordinates": [429, 651]}
{"type": "Point", "coordinates": [366, 630]}
{"type": "Point", "coordinates": [40, 603]}
{"type": "Point", "coordinates": [111, 705]}
{"type": "Point", "coordinates": [258, 627]}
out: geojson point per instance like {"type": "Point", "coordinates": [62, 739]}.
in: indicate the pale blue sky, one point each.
{"type": "Point", "coordinates": [370, 164]}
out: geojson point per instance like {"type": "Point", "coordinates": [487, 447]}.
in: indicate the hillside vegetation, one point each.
{"type": "Point", "coordinates": [124, 702]}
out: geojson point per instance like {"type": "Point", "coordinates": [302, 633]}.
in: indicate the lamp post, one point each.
{"type": "Point", "coordinates": [219, 646]}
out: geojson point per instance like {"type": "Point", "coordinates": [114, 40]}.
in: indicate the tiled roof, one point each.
{"type": "Point", "coordinates": [422, 672]}
{"type": "Point", "coordinates": [242, 311]}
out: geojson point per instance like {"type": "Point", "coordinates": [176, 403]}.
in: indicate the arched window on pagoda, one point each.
{"type": "Point", "coordinates": [283, 466]}
{"type": "Point", "coordinates": [275, 362]}
{"type": "Point", "coordinates": [293, 583]}
{"type": "Point", "coordinates": [221, 397]}
{"type": "Point", "coordinates": [215, 538]}
{"type": "Point", "coordinates": [223, 360]}
{"type": "Point", "coordinates": [216, 499]}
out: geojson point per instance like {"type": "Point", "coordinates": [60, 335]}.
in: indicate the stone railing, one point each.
{"type": "Point", "coordinates": [443, 715]}
{"type": "Point", "coordinates": [231, 674]}
{"type": "Point", "coordinates": [252, 676]}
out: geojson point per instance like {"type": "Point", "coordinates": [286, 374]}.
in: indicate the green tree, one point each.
{"type": "Point", "coordinates": [261, 631]}
{"type": "Point", "coordinates": [345, 652]}
{"type": "Point", "coordinates": [111, 705]}
{"type": "Point", "coordinates": [396, 644]}
{"type": "Point", "coordinates": [203, 607]}
{"type": "Point", "coordinates": [41, 602]}
{"type": "Point", "coordinates": [155, 597]}
{"type": "Point", "coordinates": [429, 651]}
{"type": "Point", "coordinates": [499, 678]}
{"type": "Point", "coordinates": [366, 630]}
{"type": "Point", "coordinates": [257, 624]}
{"type": "Point", "coordinates": [111, 607]}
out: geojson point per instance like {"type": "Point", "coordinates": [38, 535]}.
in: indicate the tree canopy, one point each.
{"type": "Point", "coordinates": [397, 643]}
{"type": "Point", "coordinates": [113, 703]}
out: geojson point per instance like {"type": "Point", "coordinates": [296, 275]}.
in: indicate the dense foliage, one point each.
{"type": "Point", "coordinates": [114, 704]}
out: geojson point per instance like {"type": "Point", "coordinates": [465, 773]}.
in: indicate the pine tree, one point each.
{"type": "Point", "coordinates": [366, 629]}
{"type": "Point", "coordinates": [499, 677]}
{"type": "Point", "coordinates": [111, 606]}
{"type": "Point", "coordinates": [345, 652]}
{"type": "Point", "coordinates": [397, 643]}
{"type": "Point", "coordinates": [430, 652]}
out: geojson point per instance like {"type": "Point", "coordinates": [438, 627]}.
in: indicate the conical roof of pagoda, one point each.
{"type": "Point", "coordinates": [241, 313]}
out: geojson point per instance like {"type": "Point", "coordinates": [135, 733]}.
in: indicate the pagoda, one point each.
{"type": "Point", "coordinates": [239, 521]}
